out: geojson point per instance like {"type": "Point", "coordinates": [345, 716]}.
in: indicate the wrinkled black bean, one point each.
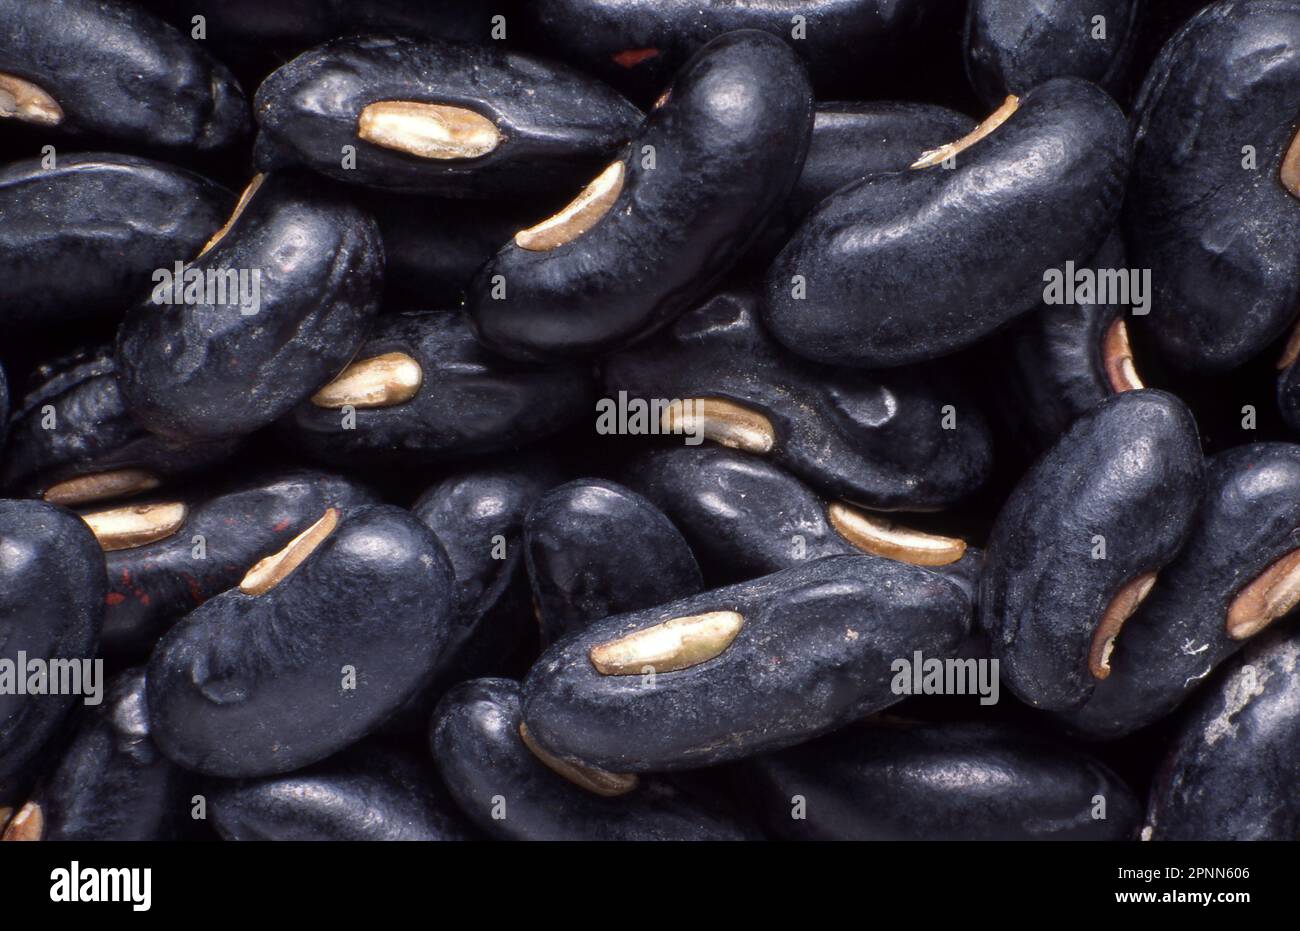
{"type": "Point", "coordinates": [52, 586]}
{"type": "Point", "coordinates": [679, 207]}
{"type": "Point", "coordinates": [1058, 361]}
{"type": "Point", "coordinates": [255, 684]}
{"type": "Point", "coordinates": [533, 124]}
{"type": "Point", "coordinates": [368, 793]}
{"type": "Point", "coordinates": [466, 400]}
{"type": "Point", "coordinates": [1199, 613]}
{"type": "Point", "coordinates": [82, 239]}
{"type": "Point", "coordinates": [73, 424]}
{"type": "Point", "coordinates": [112, 783]}
{"type": "Point", "coordinates": [744, 517]}
{"type": "Point", "coordinates": [109, 69]}
{"type": "Point", "coordinates": [813, 652]}
{"type": "Point", "coordinates": [211, 369]}
{"type": "Point", "coordinates": [859, 282]}
{"type": "Point", "coordinates": [1112, 502]}
{"type": "Point", "coordinates": [879, 440]}
{"type": "Point", "coordinates": [638, 44]}
{"type": "Point", "coordinates": [511, 794]}
{"type": "Point", "coordinates": [595, 549]}
{"type": "Point", "coordinates": [953, 781]}
{"type": "Point", "coordinates": [1235, 763]}
{"type": "Point", "coordinates": [152, 584]}
{"type": "Point", "coordinates": [1012, 46]}
{"type": "Point", "coordinates": [1222, 239]}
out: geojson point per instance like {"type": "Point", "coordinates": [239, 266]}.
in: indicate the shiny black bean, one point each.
{"type": "Point", "coordinates": [959, 781]}
{"type": "Point", "coordinates": [440, 118]}
{"type": "Point", "coordinates": [917, 264]}
{"type": "Point", "coordinates": [638, 44]}
{"type": "Point", "coordinates": [733, 672]}
{"type": "Point", "coordinates": [1235, 763]}
{"type": "Point", "coordinates": [595, 549]}
{"type": "Point", "coordinates": [1012, 46]}
{"type": "Point", "coordinates": [745, 517]}
{"type": "Point", "coordinates": [889, 442]}
{"type": "Point", "coordinates": [168, 555]}
{"type": "Point", "coordinates": [1077, 544]}
{"type": "Point", "coordinates": [213, 369]}
{"type": "Point", "coordinates": [513, 794]}
{"type": "Point", "coordinates": [82, 239]}
{"type": "Point", "coordinates": [287, 669]}
{"type": "Point", "coordinates": [423, 390]}
{"type": "Point", "coordinates": [1216, 223]}
{"type": "Point", "coordinates": [52, 587]}
{"type": "Point", "coordinates": [369, 793]}
{"type": "Point", "coordinates": [73, 441]}
{"type": "Point", "coordinates": [1236, 575]}
{"type": "Point", "coordinates": [112, 783]}
{"type": "Point", "coordinates": [109, 69]}
{"type": "Point", "coordinates": [851, 140]}
{"type": "Point", "coordinates": [1064, 359]}
{"type": "Point", "coordinates": [658, 227]}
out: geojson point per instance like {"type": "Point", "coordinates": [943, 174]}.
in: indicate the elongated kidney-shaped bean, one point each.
{"type": "Point", "coordinates": [898, 441]}
{"type": "Point", "coordinates": [317, 646]}
{"type": "Point", "coordinates": [658, 227]}
{"type": "Point", "coordinates": [733, 672]}
{"type": "Point", "coordinates": [916, 264]}
{"type": "Point", "coordinates": [1238, 573]}
{"type": "Point", "coordinates": [227, 365]}
{"type": "Point", "coordinates": [1214, 206]}
{"type": "Point", "coordinates": [1077, 545]}
{"type": "Point", "coordinates": [440, 117]}
{"type": "Point", "coordinates": [968, 781]}
{"type": "Point", "coordinates": [109, 69]}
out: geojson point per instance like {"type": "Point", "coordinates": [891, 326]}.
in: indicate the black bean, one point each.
{"type": "Point", "coordinates": [73, 441]}
{"type": "Point", "coordinates": [440, 117]}
{"type": "Point", "coordinates": [286, 670]}
{"type": "Point", "coordinates": [851, 140]}
{"type": "Point", "coordinates": [658, 227]}
{"type": "Point", "coordinates": [514, 794]}
{"type": "Point", "coordinates": [888, 442]}
{"type": "Point", "coordinates": [1216, 224]}
{"type": "Point", "coordinates": [109, 69]}
{"type": "Point", "coordinates": [745, 517]}
{"type": "Point", "coordinates": [81, 240]}
{"type": "Point", "coordinates": [1235, 763]}
{"type": "Point", "coordinates": [423, 390]}
{"type": "Point", "coordinates": [638, 44]}
{"type": "Point", "coordinates": [1078, 543]}
{"type": "Point", "coordinates": [595, 549]}
{"type": "Point", "coordinates": [733, 672]}
{"type": "Point", "coordinates": [166, 556]}
{"type": "Point", "coordinates": [1064, 359]}
{"type": "Point", "coordinates": [369, 793]}
{"type": "Point", "coordinates": [1235, 576]}
{"type": "Point", "coordinates": [212, 369]}
{"type": "Point", "coordinates": [52, 587]}
{"type": "Point", "coordinates": [956, 781]}
{"type": "Point", "coordinates": [857, 284]}
{"type": "Point", "coordinates": [112, 783]}
{"type": "Point", "coordinates": [1013, 46]}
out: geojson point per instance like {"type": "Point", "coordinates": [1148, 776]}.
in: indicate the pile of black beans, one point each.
{"type": "Point", "coordinates": [649, 419]}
